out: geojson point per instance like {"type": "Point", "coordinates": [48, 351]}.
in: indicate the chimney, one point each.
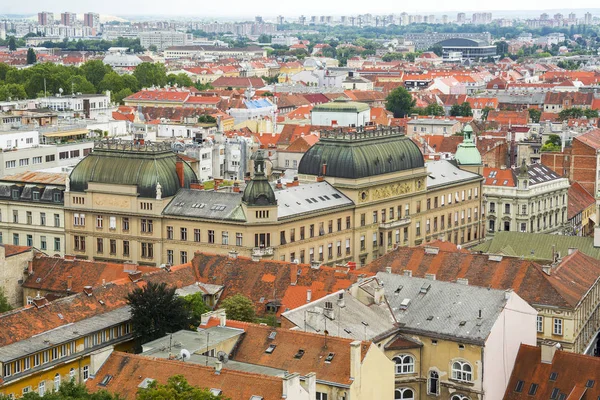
{"type": "Point", "coordinates": [355, 359]}
{"type": "Point", "coordinates": [279, 185]}
{"type": "Point", "coordinates": [547, 269]}
{"type": "Point", "coordinates": [310, 385]}
{"type": "Point", "coordinates": [39, 301]}
{"type": "Point", "coordinates": [407, 272]}
{"type": "Point", "coordinates": [87, 290]}
{"type": "Point", "coordinates": [222, 318]}
{"type": "Point", "coordinates": [196, 185]}
{"type": "Point", "coordinates": [388, 270]}
{"type": "Point", "coordinates": [135, 276]}
{"type": "Point", "coordinates": [572, 250]}
{"type": "Point", "coordinates": [30, 267]}
{"type": "Point", "coordinates": [308, 295]}
{"type": "Point", "coordinates": [69, 283]}
{"type": "Point", "coordinates": [324, 169]}
{"type": "Point", "coordinates": [217, 184]}
{"type": "Point", "coordinates": [296, 181]}
{"type": "Point", "coordinates": [179, 170]}
{"type": "Point", "coordinates": [341, 302]}
{"type": "Point", "coordinates": [320, 178]}
{"type": "Point", "coordinates": [379, 294]}
{"type": "Point", "coordinates": [291, 384]}
{"type": "Point", "coordinates": [548, 349]}
{"type": "Point", "coordinates": [218, 367]}
{"type": "Point", "coordinates": [236, 187]}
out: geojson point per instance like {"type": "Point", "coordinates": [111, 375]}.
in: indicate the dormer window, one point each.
{"type": "Point", "coordinates": [57, 197]}
{"type": "Point", "coordinates": [36, 196]}
{"type": "Point", "coordinates": [15, 194]}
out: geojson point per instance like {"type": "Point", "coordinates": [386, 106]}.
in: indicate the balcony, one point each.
{"type": "Point", "coordinates": [395, 224]}
{"type": "Point", "coordinates": [262, 252]}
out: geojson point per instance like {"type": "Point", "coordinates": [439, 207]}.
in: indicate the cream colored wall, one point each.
{"type": "Point", "coordinates": [567, 338]}
{"type": "Point", "coordinates": [35, 229]}
{"type": "Point", "coordinates": [376, 380]}
{"type": "Point", "coordinates": [11, 272]}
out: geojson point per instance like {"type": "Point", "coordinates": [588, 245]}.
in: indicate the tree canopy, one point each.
{"type": "Point", "coordinates": [156, 310]}
{"type": "Point", "coordinates": [400, 102]}
{"type": "Point", "coordinates": [461, 110]}
{"type": "Point", "coordinates": [177, 388]}
{"type": "Point", "coordinates": [239, 308]}
{"type": "Point", "coordinates": [151, 74]}
{"type": "Point", "coordinates": [68, 390]}
{"type": "Point", "coordinates": [553, 143]}
{"type": "Point", "coordinates": [4, 305]}
{"type": "Point", "coordinates": [534, 115]}
{"type": "Point", "coordinates": [576, 112]}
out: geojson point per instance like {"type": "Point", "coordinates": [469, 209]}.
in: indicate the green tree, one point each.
{"type": "Point", "coordinates": [94, 71]}
{"type": "Point", "coordinates": [12, 91]}
{"type": "Point", "coordinates": [264, 38]}
{"type": "Point", "coordinates": [239, 308]}
{"type": "Point", "coordinates": [485, 112]}
{"type": "Point", "coordinates": [177, 388]}
{"type": "Point", "coordinates": [569, 113]}
{"type": "Point", "coordinates": [156, 310]}
{"type": "Point", "coordinates": [552, 144]}
{"type": "Point", "coordinates": [502, 48]}
{"type": "Point", "coordinates": [31, 56]}
{"type": "Point", "coordinates": [195, 304]}
{"type": "Point", "coordinates": [534, 115]}
{"type": "Point", "coordinates": [4, 68]}
{"type": "Point", "coordinates": [117, 97]}
{"type": "Point", "coordinates": [68, 390]}
{"type": "Point", "coordinates": [151, 74]}
{"type": "Point", "coordinates": [12, 44]}
{"type": "Point", "coordinates": [589, 113]}
{"type": "Point", "coordinates": [181, 80]}
{"type": "Point", "coordinates": [461, 110]}
{"type": "Point", "coordinates": [392, 56]}
{"type": "Point", "coordinates": [434, 109]}
{"type": "Point", "coordinates": [400, 102]}
{"type": "Point", "coordinates": [4, 305]}
{"type": "Point", "coordinates": [437, 49]}
{"type": "Point", "coordinates": [152, 48]}
{"type": "Point", "coordinates": [78, 84]}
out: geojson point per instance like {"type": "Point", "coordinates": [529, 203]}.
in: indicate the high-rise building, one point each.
{"type": "Point", "coordinates": [45, 18]}
{"type": "Point", "coordinates": [68, 18]}
{"type": "Point", "coordinates": [258, 19]}
{"type": "Point", "coordinates": [461, 18]}
{"type": "Point", "coordinates": [587, 18]}
{"type": "Point", "coordinates": [280, 19]}
{"type": "Point", "coordinates": [92, 20]}
{"type": "Point", "coordinates": [444, 19]}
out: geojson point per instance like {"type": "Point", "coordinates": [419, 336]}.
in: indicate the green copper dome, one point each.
{"type": "Point", "coordinates": [361, 154]}
{"type": "Point", "coordinates": [341, 104]}
{"type": "Point", "coordinates": [258, 191]}
{"type": "Point", "coordinates": [467, 153]}
{"type": "Point", "coordinates": [128, 164]}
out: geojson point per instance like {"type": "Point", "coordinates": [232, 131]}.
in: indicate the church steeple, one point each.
{"type": "Point", "coordinates": [467, 154]}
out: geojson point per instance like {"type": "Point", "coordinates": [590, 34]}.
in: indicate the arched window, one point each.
{"type": "Point", "coordinates": [462, 371]}
{"type": "Point", "coordinates": [404, 394]}
{"type": "Point", "coordinates": [459, 397]}
{"type": "Point", "coordinates": [56, 382]}
{"type": "Point", "coordinates": [72, 374]}
{"type": "Point", "coordinates": [405, 364]}
{"type": "Point", "coordinates": [433, 384]}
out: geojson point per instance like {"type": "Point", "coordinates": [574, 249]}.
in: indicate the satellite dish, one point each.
{"type": "Point", "coordinates": [223, 357]}
{"type": "Point", "coordinates": [184, 355]}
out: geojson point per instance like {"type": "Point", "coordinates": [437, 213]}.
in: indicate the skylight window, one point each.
{"type": "Point", "coordinates": [329, 357]}
{"type": "Point", "coordinates": [553, 376]}
{"type": "Point", "coordinates": [519, 387]}
{"type": "Point", "coordinates": [272, 335]}
{"type": "Point", "coordinates": [299, 354]}
{"type": "Point", "coordinates": [271, 348]}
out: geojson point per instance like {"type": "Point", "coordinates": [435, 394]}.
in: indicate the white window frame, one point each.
{"type": "Point", "coordinates": [540, 324]}
{"type": "Point", "coordinates": [404, 364]}
{"type": "Point", "coordinates": [460, 373]}
{"type": "Point", "coordinates": [557, 326]}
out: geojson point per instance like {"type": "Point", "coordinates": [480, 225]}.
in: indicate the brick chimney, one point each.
{"type": "Point", "coordinates": [30, 267]}
{"type": "Point", "coordinates": [87, 290]}
{"type": "Point", "coordinates": [279, 185]}
{"type": "Point", "coordinates": [39, 301]}
{"type": "Point", "coordinates": [548, 349]}
{"type": "Point", "coordinates": [135, 276]}
{"type": "Point", "coordinates": [69, 283]}
{"type": "Point", "coordinates": [180, 174]}
{"type": "Point", "coordinates": [236, 187]}
{"type": "Point", "coordinates": [217, 183]}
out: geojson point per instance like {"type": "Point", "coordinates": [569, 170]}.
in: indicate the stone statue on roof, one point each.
{"type": "Point", "coordinates": [158, 191]}
{"type": "Point", "coordinates": [67, 184]}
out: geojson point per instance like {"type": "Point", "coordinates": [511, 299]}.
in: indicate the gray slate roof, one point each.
{"type": "Point", "coordinates": [446, 309]}
{"type": "Point", "coordinates": [442, 172]}
{"type": "Point", "coordinates": [347, 322]}
{"type": "Point", "coordinates": [310, 198]}
{"type": "Point", "coordinates": [191, 341]}
{"type": "Point", "coordinates": [206, 204]}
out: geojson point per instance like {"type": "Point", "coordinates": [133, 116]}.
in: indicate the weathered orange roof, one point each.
{"type": "Point", "coordinates": [49, 178]}
{"type": "Point", "coordinates": [573, 371]}
{"type": "Point", "coordinates": [129, 370]}
{"type": "Point", "coordinates": [579, 199]}
{"type": "Point", "coordinates": [12, 250]}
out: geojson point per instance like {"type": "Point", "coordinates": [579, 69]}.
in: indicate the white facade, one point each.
{"type": "Point", "coordinates": [19, 140]}
{"type": "Point", "coordinates": [183, 131]}
{"type": "Point", "coordinates": [515, 325]}
{"type": "Point", "coordinates": [165, 39]}
{"type": "Point", "coordinates": [340, 118]}
{"type": "Point", "coordinates": [91, 105]}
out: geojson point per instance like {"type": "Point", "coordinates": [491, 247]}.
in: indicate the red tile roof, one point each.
{"type": "Point", "coordinates": [573, 371]}
{"type": "Point", "coordinates": [499, 177]}
{"type": "Point", "coordinates": [591, 139]}
{"type": "Point", "coordinates": [579, 200]}
{"type": "Point", "coordinates": [566, 285]}
{"type": "Point", "coordinates": [52, 274]}
{"type": "Point", "coordinates": [129, 370]}
{"type": "Point", "coordinates": [12, 250]}
{"type": "Point", "coordinates": [238, 82]}
{"type": "Point", "coordinates": [290, 285]}
{"type": "Point", "coordinates": [316, 348]}
{"type": "Point", "coordinates": [576, 98]}
{"type": "Point", "coordinates": [160, 95]}
{"type": "Point", "coordinates": [509, 117]}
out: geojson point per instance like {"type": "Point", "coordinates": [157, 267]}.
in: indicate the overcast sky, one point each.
{"type": "Point", "coordinates": [237, 8]}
